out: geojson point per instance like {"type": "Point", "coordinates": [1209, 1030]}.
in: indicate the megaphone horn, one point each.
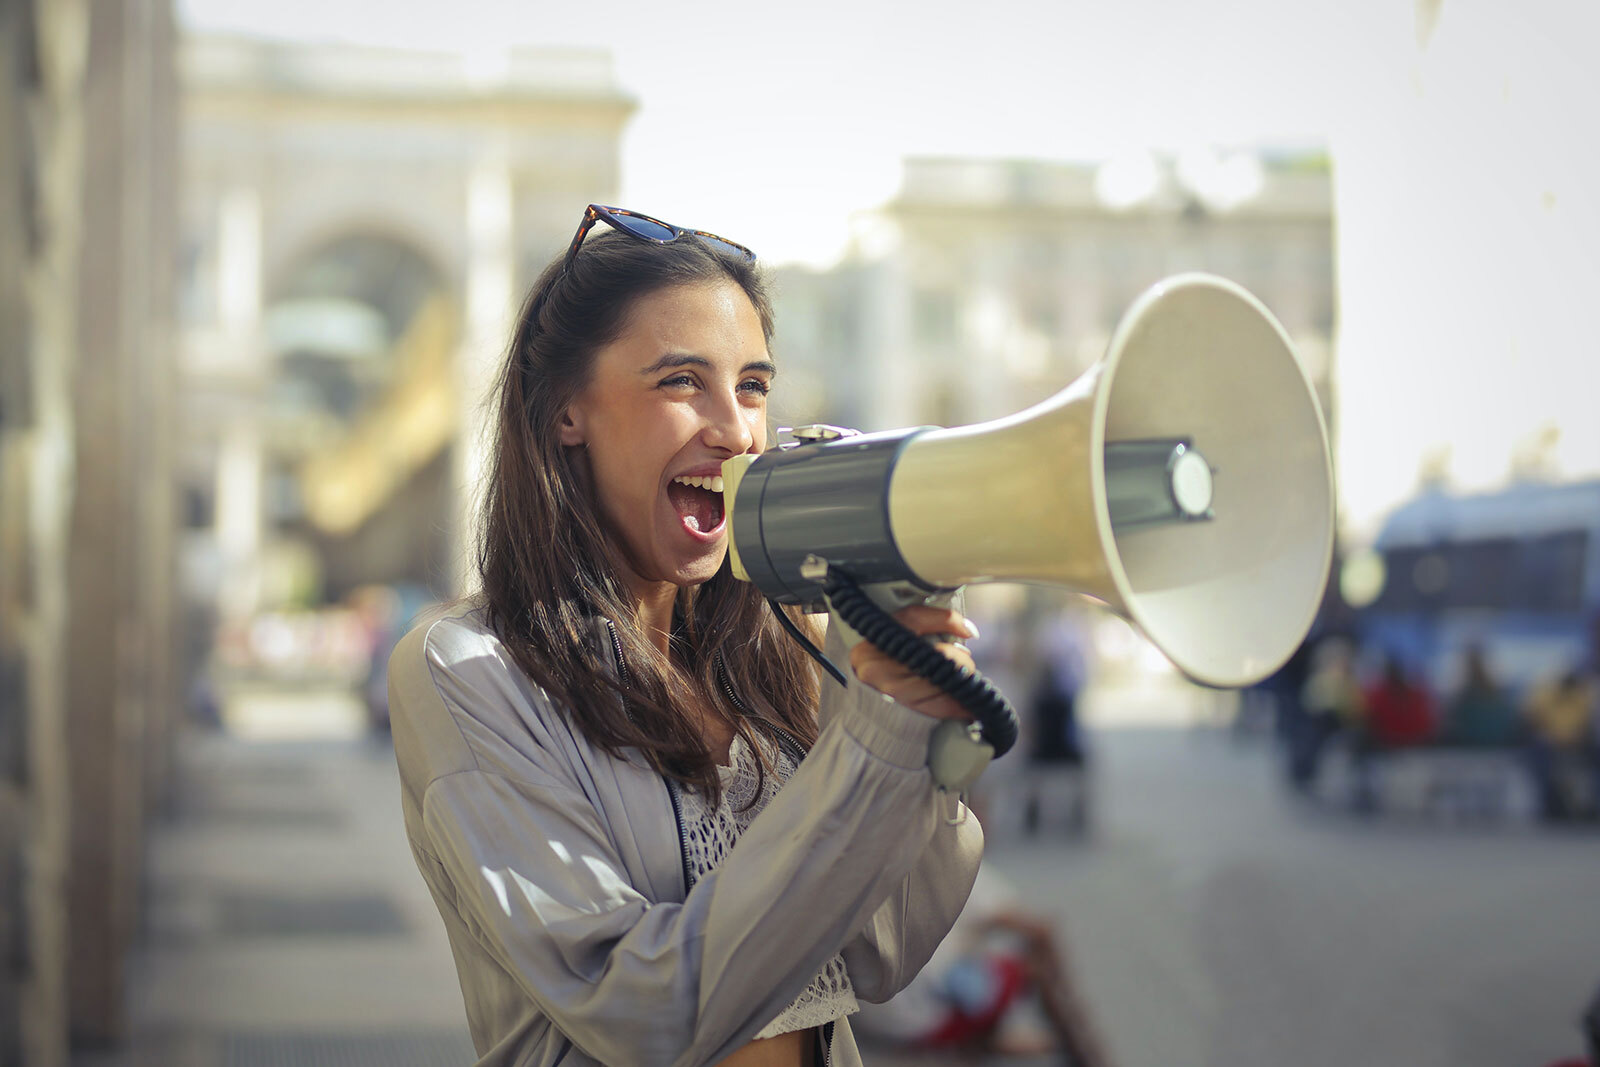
{"type": "Point", "coordinates": [1184, 480]}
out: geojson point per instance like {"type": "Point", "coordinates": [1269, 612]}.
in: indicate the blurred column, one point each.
{"type": "Point", "coordinates": [43, 50]}
{"type": "Point", "coordinates": [151, 265]}
{"type": "Point", "coordinates": [122, 525]}
{"type": "Point", "coordinates": [239, 460]}
{"type": "Point", "coordinates": [990, 334]}
{"type": "Point", "coordinates": [489, 297]}
{"type": "Point", "coordinates": [238, 519]}
{"type": "Point", "coordinates": [896, 381]}
{"type": "Point", "coordinates": [239, 264]}
{"type": "Point", "coordinates": [86, 112]}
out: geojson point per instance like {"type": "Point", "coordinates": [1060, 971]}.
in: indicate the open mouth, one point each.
{"type": "Point", "coordinates": [699, 507]}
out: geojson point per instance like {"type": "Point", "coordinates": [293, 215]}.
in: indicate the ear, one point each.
{"type": "Point", "coordinates": [571, 428]}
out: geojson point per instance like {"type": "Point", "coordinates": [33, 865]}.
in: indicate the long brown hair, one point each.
{"type": "Point", "coordinates": [549, 564]}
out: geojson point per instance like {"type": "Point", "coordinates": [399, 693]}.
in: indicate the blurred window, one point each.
{"type": "Point", "coordinates": [1040, 309]}
{"type": "Point", "coordinates": [283, 503]}
{"type": "Point", "coordinates": [933, 318]}
{"type": "Point", "coordinates": [1551, 576]}
{"type": "Point", "coordinates": [1482, 574]}
{"type": "Point", "coordinates": [1039, 255]}
{"type": "Point", "coordinates": [1538, 574]}
{"type": "Point", "coordinates": [198, 507]}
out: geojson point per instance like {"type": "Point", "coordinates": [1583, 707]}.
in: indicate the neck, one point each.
{"type": "Point", "coordinates": [654, 613]}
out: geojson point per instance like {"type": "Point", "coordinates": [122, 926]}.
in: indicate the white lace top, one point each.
{"type": "Point", "coordinates": [711, 833]}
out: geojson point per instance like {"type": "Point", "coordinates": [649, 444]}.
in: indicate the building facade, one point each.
{"type": "Point", "coordinates": [987, 285]}
{"type": "Point", "coordinates": [358, 225]}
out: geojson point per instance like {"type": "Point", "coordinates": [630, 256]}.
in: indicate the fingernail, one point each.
{"type": "Point", "coordinates": [972, 629]}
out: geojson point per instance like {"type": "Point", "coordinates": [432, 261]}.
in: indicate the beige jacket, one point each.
{"type": "Point", "coordinates": [558, 869]}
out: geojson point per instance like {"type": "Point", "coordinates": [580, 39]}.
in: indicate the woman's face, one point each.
{"type": "Point", "coordinates": [683, 388]}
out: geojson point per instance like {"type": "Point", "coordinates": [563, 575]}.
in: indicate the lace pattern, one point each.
{"type": "Point", "coordinates": [711, 832]}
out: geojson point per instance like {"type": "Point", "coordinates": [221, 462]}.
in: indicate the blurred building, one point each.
{"type": "Point", "coordinates": [358, 225]}
{"type": "Point", "coordinates": [987, 285]}
{"type": "Point", "coordinates": [88, 675]}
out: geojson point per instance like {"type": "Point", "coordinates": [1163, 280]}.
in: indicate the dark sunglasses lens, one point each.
{"type": "Point", "coordinates": [646, 228]}
{"type": "Point", "coordinates": [727, 247]}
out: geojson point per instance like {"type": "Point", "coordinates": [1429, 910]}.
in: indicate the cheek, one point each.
{"type": "Point", "coordinates": [637, 452]}
{"type": "Point", "coordinates": [627, 482]}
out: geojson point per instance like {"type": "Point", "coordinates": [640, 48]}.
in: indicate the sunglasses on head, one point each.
{"type": "Point", "coordinates": [646, 228]}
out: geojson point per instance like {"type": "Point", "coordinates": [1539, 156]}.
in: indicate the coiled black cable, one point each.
{"type": "Point", "coordinates": [995, 715]}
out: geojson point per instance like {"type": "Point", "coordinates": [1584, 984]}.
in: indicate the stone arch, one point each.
{"type": "Point", "coordinates": [361, 327]}
{"type": "Point", "coordinates": [376, 266]}
{"type": "Point", "coordinates": [303, 233]}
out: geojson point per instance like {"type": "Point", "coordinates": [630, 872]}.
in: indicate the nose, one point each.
{"type": "Point", "coordinates": [729, 423]}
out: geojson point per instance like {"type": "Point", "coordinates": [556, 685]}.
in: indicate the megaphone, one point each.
{"type": "Point", "coordinates": [1184, 481]}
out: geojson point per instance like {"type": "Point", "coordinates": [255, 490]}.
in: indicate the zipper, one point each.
{"type": "Point", "coordinates": [794, 748]}
{"type": "Point", "coordinates": [672, 785]}
{"type": "Point", "coordinates": [827, 1044]}
{"type": "Point", "coordinates": [622, 664]}
{"type": "Point", "coordinates": [683, 832]}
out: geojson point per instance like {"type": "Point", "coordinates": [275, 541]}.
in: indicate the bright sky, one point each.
{"type": "Point", "coordinates": [773, 127]}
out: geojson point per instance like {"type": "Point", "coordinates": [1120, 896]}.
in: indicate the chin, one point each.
{"type": "Point", "coordinates": [701, 570]}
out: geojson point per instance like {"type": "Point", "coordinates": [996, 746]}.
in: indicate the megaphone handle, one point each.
{"type": "Point", "coordinates": [970, 689]}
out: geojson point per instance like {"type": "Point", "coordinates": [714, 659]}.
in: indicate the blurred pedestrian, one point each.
{"type": "Point", "coordinates": [1480, 714]}
{"type": "Point", "coordinates": [1056, 747]}
{"type": "Point", "coordinates": [1331, 702]}
{"type": "Point", "coordinates": [1283, 689]}
{"type": "Point", "coordinates": [1561, 746]}
{"type": "Point", "coordinates": [1591, 1027]}
{"type": "Point", "coordinates": [377, 608]}
{"type": "Point", "coordinates": [1397, 713]}
{"type": "Point", "coordinates": [996, 957]}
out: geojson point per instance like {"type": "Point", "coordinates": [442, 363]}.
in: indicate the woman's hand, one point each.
{"type": "Point", "coordinates": [887, 676]}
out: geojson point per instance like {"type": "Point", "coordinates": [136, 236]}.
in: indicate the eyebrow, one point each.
{"type": "Point", "coordinates": [679, 359]}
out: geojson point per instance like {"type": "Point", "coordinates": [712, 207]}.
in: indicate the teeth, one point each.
{"type": "Point", "coordinates": [713, 483]}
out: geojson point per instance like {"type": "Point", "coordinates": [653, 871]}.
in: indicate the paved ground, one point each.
{"type": "Point", "coordinates": [1212, 921]}
{"type": "Point", "coordinates": [1216, 922]}
{"type": "Point", "coordinates": [286, 923]}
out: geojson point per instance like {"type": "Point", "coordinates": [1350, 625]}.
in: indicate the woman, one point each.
{"type": "Point", "coordinates": [590, 750]}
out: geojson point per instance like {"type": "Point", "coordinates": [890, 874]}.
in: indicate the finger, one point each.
{"type": "Point", "coordinates": [919, 695]}
{"type": "Point", "coordinates": [925, 698]}
{"type": "Point", "coordinates": [927, 619]}
{"type": "Point", "coordinates": [906, 688]}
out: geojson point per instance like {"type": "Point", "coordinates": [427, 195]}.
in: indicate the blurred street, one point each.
{"type": "Point", "coordinates": [286, 921]}
{"type": "Point", "coordinates": [1210, 918]}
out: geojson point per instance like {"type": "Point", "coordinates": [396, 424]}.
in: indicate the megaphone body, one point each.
{"type": "Point", "coordinates": [1184, 481]}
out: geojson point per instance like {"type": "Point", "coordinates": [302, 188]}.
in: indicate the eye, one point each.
{"type": "Point", "coordinates": [679, 381]}
{"type": "Point", "coordinates": [755, 387]}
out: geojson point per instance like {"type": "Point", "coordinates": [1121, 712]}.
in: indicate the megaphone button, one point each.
{"type": "Point", "coordinates": [1191, 483]}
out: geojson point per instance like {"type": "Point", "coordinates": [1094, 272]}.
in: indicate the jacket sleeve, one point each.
{"type": "Point", "coordinates": [538, 880]}
{"type": "Point", "coordinates": [900, 936]}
